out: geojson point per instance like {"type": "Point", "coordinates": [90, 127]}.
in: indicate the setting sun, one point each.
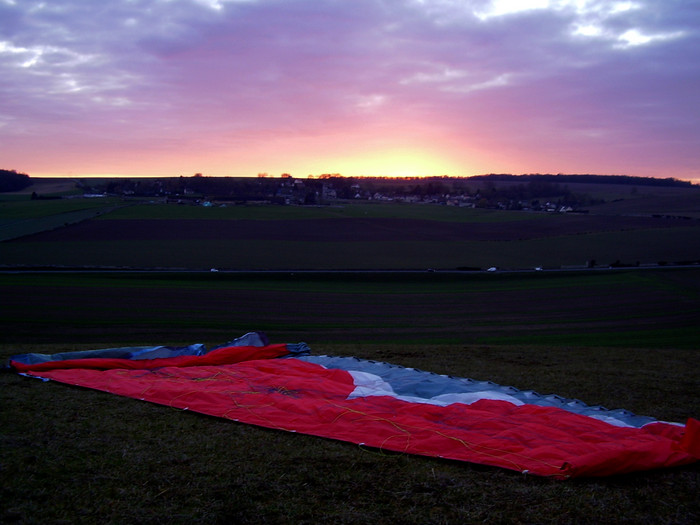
{"type": "Point", "coordinates": [400, 163]}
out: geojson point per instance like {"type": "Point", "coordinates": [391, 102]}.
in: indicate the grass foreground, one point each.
{"type": "Point", "coordinates": [76, 455]}
{"type": "Point", "coordinates": [72, 455]}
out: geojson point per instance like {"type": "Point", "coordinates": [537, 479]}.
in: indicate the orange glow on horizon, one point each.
{"type": "Point", "coordinates": [397, 163]}
{"type": "Point", "coordinates": [386, 162]}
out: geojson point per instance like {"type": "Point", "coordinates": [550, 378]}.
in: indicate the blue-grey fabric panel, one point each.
{"type": "Point", "coordinates": [249, 339]}
{"type": "Point", "coordinates": [298, 349]}
{"type": "Point", "coordinates": [128, 352]}
{"type": "Point", "coordinates": [140, 352]}
{"type": "Point", "coordinates": [411, 382]}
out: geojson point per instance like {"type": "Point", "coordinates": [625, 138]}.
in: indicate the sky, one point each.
{"type": "Point", "coordinates": [356, 87]}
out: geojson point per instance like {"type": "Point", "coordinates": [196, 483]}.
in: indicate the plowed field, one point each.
{"type": "Point", "coordinates": [468, 239]}
{"type": "Point", "coordinates": [351, 230]}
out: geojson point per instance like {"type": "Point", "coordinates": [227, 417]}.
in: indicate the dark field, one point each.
{"type": "Point", "coordinates": [353, 236]}
{"type": "Point", "coordinates": [352, 229]}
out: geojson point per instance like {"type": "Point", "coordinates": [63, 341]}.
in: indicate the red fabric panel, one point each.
{"type": "Point", "coordinates": [690, 442]}
{"type": "Point", "coordinates": [293, 395]}
{"type": "Point", "coordinates": [224, 355]}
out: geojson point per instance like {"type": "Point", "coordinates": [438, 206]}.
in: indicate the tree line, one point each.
{"type": "Point", "coordinates": [11, 180]}
{"type": "Point", "coordinates": [587, 178]}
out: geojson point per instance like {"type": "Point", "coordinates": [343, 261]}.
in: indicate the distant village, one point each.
{"type": "Point", "coordinates": [531, 192]}
{"type": "Point", "coordinates": [507, 192]}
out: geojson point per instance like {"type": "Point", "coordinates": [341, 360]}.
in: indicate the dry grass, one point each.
{"type": "Point", "coordinates": [75, 455]}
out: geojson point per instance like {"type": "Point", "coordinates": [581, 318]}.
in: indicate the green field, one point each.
{"type": "Point", "coordinates": [25, 217]}
{"type": "Point", "coordinates": [652, 308]}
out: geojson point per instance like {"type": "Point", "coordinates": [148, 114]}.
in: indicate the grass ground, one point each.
{"type": "Point", "coordinates": [74, 455]}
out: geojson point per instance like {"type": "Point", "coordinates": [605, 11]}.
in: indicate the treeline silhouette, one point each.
{"type": "Point", "coordinates": [10, 180]}
{"type": "Point", "coordinates": [588, 179]}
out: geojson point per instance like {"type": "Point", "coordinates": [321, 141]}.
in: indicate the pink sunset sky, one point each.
{"type": "Point", "coordinates": [357, 87]}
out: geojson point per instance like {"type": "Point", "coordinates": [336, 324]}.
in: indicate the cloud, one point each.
{"type": "Point", "coordinates": [228, 75]}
